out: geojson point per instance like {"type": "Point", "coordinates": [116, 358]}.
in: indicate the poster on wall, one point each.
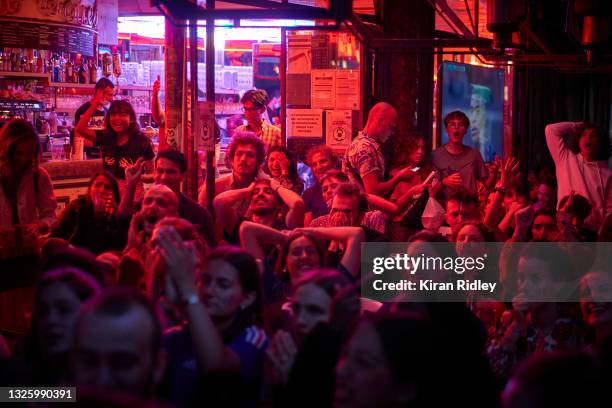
{"type": "Point", "coordinates": [323, 89]}
{"type": "Point", "coordinates": [206, 126]}
{"type": "Point", "coordinates": [299, 56]}
{"type": "Point", "coordinates": [320, 51]}
{"type": "Point", "coordinates": [338, 128]}
{"type": "Point", "coordinates": [304, 123]}
{"type": "Point", "coordinates": [347, 89]}
{"type": "Point", "coordinates": [479, 93]}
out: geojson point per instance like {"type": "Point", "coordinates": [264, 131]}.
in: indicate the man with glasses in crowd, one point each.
{"type": "Point", "coordinates": [254, 103]}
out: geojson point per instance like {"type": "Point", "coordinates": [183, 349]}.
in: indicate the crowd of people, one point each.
{"type": "Point", "coordinates": [143, 298]}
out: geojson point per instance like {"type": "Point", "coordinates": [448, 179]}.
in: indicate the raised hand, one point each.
{"type": "Point", "coordinates": [523, 217]}
{"type": "Point", "coordinates": [156, 86]}
{"type": "Point", "coordinates": [564, 216]}
{"type": "Point", "coordinates": [282, 353]}
{"type": "Point", "coordinates": [98, 99]}
{"type": "Point", "coordinates": [134, 172]}
{"type": "Point", "coordinates": [181, 258]}
{"type": "Point", "coordinates": [509, 171]}
{"type": "Point", "coordinates": [494, 167]}
{"type": "Point", "coordinates": [136, 233]}
{"type": "Point", "coordinates": [275, 184]}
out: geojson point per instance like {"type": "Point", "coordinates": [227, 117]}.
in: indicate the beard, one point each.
{"type": "Point", "coordinates": [263, 212]}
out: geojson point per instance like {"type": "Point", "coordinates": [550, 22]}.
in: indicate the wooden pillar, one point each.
{"type": "Point", "coordinates": [406, 77]}
{"type": "Point", "coordinates": [173, 61]}
{"type": "Point", "coordinates": [210, 97]}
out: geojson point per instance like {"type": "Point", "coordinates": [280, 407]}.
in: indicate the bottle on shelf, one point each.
{"type": "Point", "coordinates": [83, 71]}
{"type": "Point", "coordinates": [49, 69]}
{"type": "Point", "coordinates": [106, 65]}
{"type": "Point", "coordinates": [40, 63]}
{"type": "Point", "coordinates": [116, 65]}
{"type": "Point", "coordinates": [93, 71]}
{"type": "Point", "coordinates": [62, 66]}
{"type": "Point", "coordinates": [23, 62]}
{"type": "Point", "coordinates": [31, 67]}
{"type": "Point", "coordinates": [69, 71]}
{"type": "Point", "coordinates": [14, 61]}
{"type": "Point", "coordinates": [56, 69]}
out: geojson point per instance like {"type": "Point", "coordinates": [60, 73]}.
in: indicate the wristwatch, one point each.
{"type": "Point", "coordinates": [192, 299]}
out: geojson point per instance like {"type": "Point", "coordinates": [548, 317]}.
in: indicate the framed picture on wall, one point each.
{"type": "Point", "coordinates": [479, 93]}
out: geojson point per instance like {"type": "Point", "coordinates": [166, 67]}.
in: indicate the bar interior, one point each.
{"type": "Point", "coordinates": [271, 202]}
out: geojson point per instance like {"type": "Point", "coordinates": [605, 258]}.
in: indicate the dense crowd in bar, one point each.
{"type": "Point", "coordinates": [248, 222]}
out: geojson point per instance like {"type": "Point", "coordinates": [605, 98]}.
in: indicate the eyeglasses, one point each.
{"type": "Point", "coordinates": [245, 109]}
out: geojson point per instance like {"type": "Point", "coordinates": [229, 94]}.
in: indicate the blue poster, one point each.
{"type": "Point", "coordinates": [479, 93]}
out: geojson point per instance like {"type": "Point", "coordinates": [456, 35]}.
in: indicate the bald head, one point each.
{"type": "Point", "coordinates": [382, 122]}
{"type": "Point", "coordinates": [159, 202]}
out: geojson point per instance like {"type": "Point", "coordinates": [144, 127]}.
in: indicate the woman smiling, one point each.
{"type": "Point", "coordinates": [121, 141]}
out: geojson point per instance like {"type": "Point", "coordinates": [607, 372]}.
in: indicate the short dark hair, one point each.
{"type": "Point", "coordinates": [351, 189]}
{"type": "Point", "coordinates": [245, 138]}
{"type": "Point", "coordinates": [463, 196]}
{"type": "Point", "coordinates": [457, 115]}
{"type": "Point", "coordinates": [580, 207]}
{"type": "Point", "coordinates": [175, 156]}
{"type": "Point", "coordinates": [550, 183]}
{"type": "Point", "coordinates": [104, 83]}
{"type": "Point", "coordinates": [603, 152]}
{"type": "Point", "coordinates": [115, 302]}
{"type": "Point", "coordinates": [318, 149]}
{"type": "Point", "coordinates": [519, 188]}
{"type": "Point", "coordinates": [267, 182]}
{"type": "Point", "coordinates": [335, 174]}
{"type": "Point", "coordinates": [259, 97]}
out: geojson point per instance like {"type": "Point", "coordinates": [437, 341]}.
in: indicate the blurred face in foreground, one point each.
{"type": "Point", "coordinates": [116, 352]}
{"type": "Point", "coordinates": [363, 376]}
{"type": "Point", "coordinates": [310, 306]}
{"type": "Point", "coordinates": [57, 311]}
